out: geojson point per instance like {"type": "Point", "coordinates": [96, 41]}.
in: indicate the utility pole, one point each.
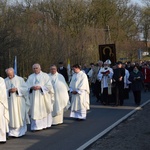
{"type": "Point", "coordinates": [107, 34]}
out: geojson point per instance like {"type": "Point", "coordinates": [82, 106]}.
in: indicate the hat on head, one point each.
{"type": "Point", "coordinates": [108, 62]}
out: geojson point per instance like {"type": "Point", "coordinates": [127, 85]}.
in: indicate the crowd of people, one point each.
{"type": "Point", "coordinates": [42, 99]}
{"type": "Point", "coordinates": [110, 84]}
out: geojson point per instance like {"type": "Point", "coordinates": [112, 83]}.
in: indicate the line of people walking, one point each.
{"type": "Point", "coordinates": [111, 84]}
{"type": "Point", "coordinates": [41, 100]}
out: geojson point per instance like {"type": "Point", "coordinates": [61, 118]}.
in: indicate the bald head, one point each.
{"type": "Point", "coordinates": [36, 68]}
{"type": "Point", "coordinates": [36, 65]}
{"type": "Point", "coordinates": [10, 72]}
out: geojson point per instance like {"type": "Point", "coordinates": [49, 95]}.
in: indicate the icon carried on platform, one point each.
{"type": "Point", "coordinates": [107, 51]}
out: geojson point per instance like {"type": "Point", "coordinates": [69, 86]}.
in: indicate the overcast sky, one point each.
{"type": "Point", "coordinates": [137, 1]}
{"type": "Point", "coordinates": [134, 1]}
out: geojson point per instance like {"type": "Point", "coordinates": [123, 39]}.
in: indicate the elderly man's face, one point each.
{"type": "Point", "coordinates": [100, 64]}
{"type": "Point", "coordinates": [10, 74]}
{"type": "Point", "coordinates": [53, 70]}
{"type": "Point", "coordinates": [36, 69]}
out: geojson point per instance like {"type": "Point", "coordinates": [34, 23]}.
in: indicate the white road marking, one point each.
{"type": "Point", "coordinates": [88, 143]}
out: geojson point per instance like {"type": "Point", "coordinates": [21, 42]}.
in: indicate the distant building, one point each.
{"type": "Point", "coordinates": [145, 53]}
{"type": "Point", "coordinates": [144, 50]}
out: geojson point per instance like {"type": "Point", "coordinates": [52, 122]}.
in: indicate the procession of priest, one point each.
{"type": "Point", "coordinates": [42, 100]}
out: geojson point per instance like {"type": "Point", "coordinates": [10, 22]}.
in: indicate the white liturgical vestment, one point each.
{"type": "Point", "coordinates": [80, 101]}
{"type": "Point", "coordinates": [4, 114]}
{"type": "Point", "coordinates": [19, 105]}
{"type": "Point", "coordinates": [41, 100]}
{"type": "Point", "coordinates": [106, 80]}
{"type": "Point", "coordinates": [61, 97]}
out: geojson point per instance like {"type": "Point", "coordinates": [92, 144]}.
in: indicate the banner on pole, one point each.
{"type": "Point", "coordinates": [15, 65]}
{"type": "Point", "coordinates": [107, 51]}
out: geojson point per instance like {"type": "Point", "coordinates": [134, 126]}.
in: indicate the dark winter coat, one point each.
{"type": "Point", "coordinates": [137, 81]}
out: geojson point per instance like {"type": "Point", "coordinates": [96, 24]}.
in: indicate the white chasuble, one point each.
{"type": "Point", "coordinates": [19, 105]}
{"type": "Point", "coordinates": [80, 101]}
{"type": "Point", "coordinates": [4, 114]}
{"type": "Point", "coordinates": [41, 100]}
{"type": "Point", "coordinates": [61, 97]}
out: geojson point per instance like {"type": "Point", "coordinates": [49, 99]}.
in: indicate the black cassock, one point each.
{"type": "Point", "coordinates": [136, 85]}
{"type": "Point", "coordinates": [118, 89]}
{"type": "Point", "coordinates": [63, 71]}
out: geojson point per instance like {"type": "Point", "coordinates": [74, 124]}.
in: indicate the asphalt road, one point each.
{"type": "Point", "coordinates": [72, 134]}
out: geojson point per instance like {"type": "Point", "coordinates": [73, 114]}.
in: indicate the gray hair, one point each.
{"type": "Point", "coordinates": [53, 66]}
{"type": "Point", "coordinates": [9, 69]}
{"type": "Point", "coordinates": [100, 62]}
{"type": "Point", "coordinates": [38, 65]}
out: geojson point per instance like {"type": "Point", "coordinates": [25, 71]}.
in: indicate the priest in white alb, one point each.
{"type": "Point", "coordinates": [61, 96]}
{"type": "Point", "coordinates": [41, 95]}
{"type": "Point", "coordinates": [4, 114]}
{"type": "Point", "coordinates": [18, 103]}
{"type": "Point", "coordinates": [105, 76]}
{"type": "Point", "coordinates": [79, 88]}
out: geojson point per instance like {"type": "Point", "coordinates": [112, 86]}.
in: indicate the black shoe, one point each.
{"type": "Point", "coordinates": [78, 119]}
{"type": "Point", "coordinates": [104, 103]}
{"type": "Point", "coordinates": [10, 137]}
{"type": "Point", "coordinates": [137, 104]}
{"type": "Point", "coordinates": [115, 105]}
{"type": "Point", "coordinates": [3, 142]}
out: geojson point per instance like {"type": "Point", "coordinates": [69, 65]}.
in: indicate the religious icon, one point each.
{"type": "Point", "coordinates": [107, 51]}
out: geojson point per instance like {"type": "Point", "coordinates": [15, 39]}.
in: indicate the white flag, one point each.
{"type": "Point", "coordinates": [15, 65]}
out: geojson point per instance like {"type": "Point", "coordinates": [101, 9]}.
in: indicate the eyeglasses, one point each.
{"type": "Point", "coordinates": [35, 68]}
